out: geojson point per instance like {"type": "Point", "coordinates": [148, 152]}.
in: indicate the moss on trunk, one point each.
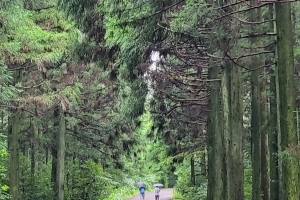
{"type": "Point", "coordinates": [290, 164]}
{"type": "Point", "coordinates": [215, 147]}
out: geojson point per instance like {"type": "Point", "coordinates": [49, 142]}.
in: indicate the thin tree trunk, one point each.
{"type": "Point", "coordinates": [263, 132]}
{"type": "Point", "coordinates": [33, 149]}
{"type": "Point", "coordinates": [273, 142]}
{"type": "Point", "coordinates": [255, 115]}
{"type": "Point", "coordinates": [192, 161]}
{"type": "Point", "coordinates": [54, 152]}
{"type": "Point", "coordinates": [61, 156]}
{"type": "Point", "coordinates": [273, 134]}
{"type": "Point", "coordinates": [2, 121]}
{"type": "Point", "coordinates": [203, 164]}
{"type": "Point", "coordinates": [47, 155]}
{"type": "Point", "coordinates": [289, 140]}
{"type": "Point", "coordinates": [53, 171]}
{"type": "Point", "coordinates": [264, 149]}
{"type": "Point", "coordinates": [263, 121]}
{"type": "Point", "coordinates": [255, 131]}
{"type": "Point", "coordinates": [14, 156]}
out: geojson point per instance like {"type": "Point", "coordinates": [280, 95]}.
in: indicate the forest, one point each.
{"type": "Point", "coordinates": [202, 96]}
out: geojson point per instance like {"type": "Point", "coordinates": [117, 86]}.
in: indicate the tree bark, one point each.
{"type": "Point", "coordinates": [203, 164]}
{"type": "Point", "coordinates": [263, 121]}
{"type": "Point", "coordinates": [235, 166]}
{"type": "Point", "coordinates": [33, 148]}
{"type": "Point", "coordinates": [255, 122]}
{"type": "Point", "coordinates": [193, 181]}
{"type": "Point", "coordinates": [14, 145]}
{"type": "Point", "coordinates": [54, 153]}
{"type": "Point", "coordinates": [61, 156]}
{"type": "Point", "coordinates": [264, 151]}
{"type": "Point", "coordinates": [256, 113]}
{"type": "Point", "coordinates": [233, 130]}
{"type": "Point", "coordinates": [215, 147]}
{"type": "Point", "coordinates": [14, 155]}
{"type": "Point", "coordinates": [274, 130]}
{"type": "Point", "coordinates": [232, 108]}
{"type": "Point", "coordinates": [289, 140]}
{"type": "Point", "coordinates": [273, 141]}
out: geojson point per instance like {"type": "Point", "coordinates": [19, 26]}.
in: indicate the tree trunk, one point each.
{"type": "Point", "coordinates": [232, 107]}
{"type": "Point", "coordinates": [289, 140]}
{"type": "Point", "coordinates": [255, 114]}
{"type": "Point", "coordinates": [235, 166]}
{"type": "Point", "coordinates": [54, 152]}
{"type": "Point", "coordinates": [14, 145]}
{"type": "Point", "coordinates": [273, 141]}
{"type": "Point", "coordinates": [226, 126]}
{"type": "Point", "coordinates": [203, 164]}
{"type": "Point", "coordinates": [274, 130]}
{"type": "Point", "coordinates": [33, 148]}
{"type": "Point", "coordinates": [255, 131]}
{"type": "Point", "coordinates": [61, 156]}
{"type": "Point", "coordinates": [263, 121]}
{"type": "Point", "coordinates": [47, 156]}
{"type": "Point", "coordinates": [193, 181]}
{"type": "Point", "coordinates": [263, 128]}
{"type": "Point", "coordinates": [215, 147]}
{"type": "Point", "coordinates": [2, 121]}
{"type": "Point", "coordinates": [14, 155]}
{"type": "Point", "coordinates": [264, 146]}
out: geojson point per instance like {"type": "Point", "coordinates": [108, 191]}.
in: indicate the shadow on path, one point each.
{"type": "Point", "coordinates": [165, 194]}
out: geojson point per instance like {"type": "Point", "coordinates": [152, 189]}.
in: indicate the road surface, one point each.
{"type": "Point", "coordinates": [164, 194]}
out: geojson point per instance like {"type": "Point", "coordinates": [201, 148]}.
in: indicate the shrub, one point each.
{"type": "Point", "coordinates": [3, 176]}
{"type": "Point", "coordinates": [184, 189]}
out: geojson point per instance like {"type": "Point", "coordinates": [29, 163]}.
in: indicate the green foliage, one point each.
{"type": "Point", "coordinates": [122, 193]}
{"type": "Point", "coordinates": [183, 187]}
{"type": "Point", "coordinates": [132, 99]}
{"type": "Point", "coordinates": [3, 174]}
{"type": "Point", "coordinates": [247, 176]}
{"type": "Point", "coordinates": [87, 181]}
{"type": "Point", "coordinates": [38, 37]}
{"type": "Point", "coordinates": [187, 20]}
{"type": "Point", "coordinates": [8, 92]}
{"type": "Point", "coordinates": [248, 183]}
{"type": "Point", "coordinates": [35, 186]}
{"type": "Point", "coordinates": [192, 192]}
{"type": "Point", "coordinates": [84, 180]}
{"type": "Point", "coordinates": [124, 186]}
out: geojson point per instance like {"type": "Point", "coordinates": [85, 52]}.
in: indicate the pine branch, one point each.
{"type": "Point", "coordinates": [253, 35]}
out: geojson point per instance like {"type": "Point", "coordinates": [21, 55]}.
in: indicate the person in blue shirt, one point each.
{"type": "Point", "coordinates": [142, 192]}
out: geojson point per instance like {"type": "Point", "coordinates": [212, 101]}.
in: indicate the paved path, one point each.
{"type": "Point", "coordinates": [164, 194]}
